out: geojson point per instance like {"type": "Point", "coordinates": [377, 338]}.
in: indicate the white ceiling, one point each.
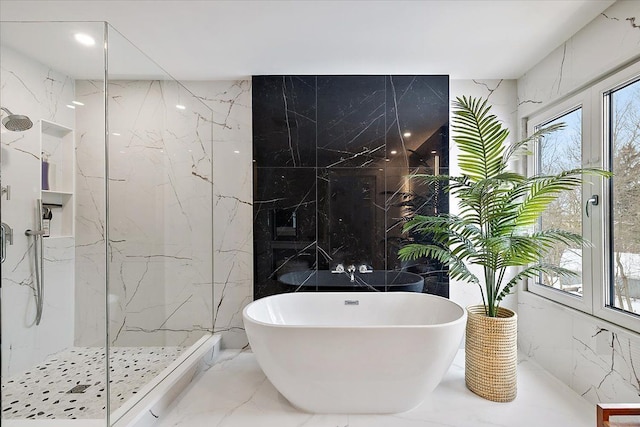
{"type": "Point", "coordinates": [205, 40]}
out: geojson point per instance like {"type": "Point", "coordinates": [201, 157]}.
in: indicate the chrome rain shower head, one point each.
{"type": "Point", "coordinates": [16, 122]}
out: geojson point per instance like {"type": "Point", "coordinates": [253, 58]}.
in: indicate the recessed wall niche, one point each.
{"type": "Point", "coordinates": [333, 157]}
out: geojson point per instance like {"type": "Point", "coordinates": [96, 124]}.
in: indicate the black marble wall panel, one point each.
{"type": "Point", "coordinates": [284, 225]}
{"type": "Point", "coordinates": [351, 121]}
{"type": "Point", "coordinates": [284, 121]}
{"type": "Point", "coordinates": [333, 156]}
{"type": "Point", "coordinates": [351, 217]}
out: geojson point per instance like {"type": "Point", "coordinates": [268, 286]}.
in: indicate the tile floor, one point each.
{"type": "Point", "coordinates": [42, 392]}
{"type": "Point", "coordinates": [235, 393]}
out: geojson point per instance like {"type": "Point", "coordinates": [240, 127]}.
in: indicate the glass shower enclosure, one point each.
{"type": "Point", "coordinates": [106, 212]}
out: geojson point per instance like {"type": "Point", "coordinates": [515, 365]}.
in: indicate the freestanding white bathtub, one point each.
{"type": "Point", "coordinates": [354, 352]}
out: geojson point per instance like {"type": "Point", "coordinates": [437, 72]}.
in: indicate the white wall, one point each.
{"type": "Point", "coordinates": [35, 90]}
{"type": "Point", "coordinates": [233, 203]}
{"type": "Point", "coordinates": [160, 219]}
{"type": "Point", "coordinates": [138, 318]}
{"type": "Point", "coordinates": [598, 360]}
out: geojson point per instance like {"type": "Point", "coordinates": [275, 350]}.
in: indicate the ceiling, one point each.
{"type": "Point", "coordinates": [207, 40]}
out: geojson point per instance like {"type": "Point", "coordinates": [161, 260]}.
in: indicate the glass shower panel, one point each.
{"type": "Point", "coordinates": [53, 214]}
{"type": "Point", "coordinates": [160, 221]}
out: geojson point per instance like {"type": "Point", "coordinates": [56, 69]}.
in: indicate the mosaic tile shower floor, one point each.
{"type": "Point", "coordinates": [43, 392]}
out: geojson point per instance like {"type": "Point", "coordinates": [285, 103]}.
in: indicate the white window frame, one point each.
{"type": "Point", "coordinates": [600, 128]}
{"type": "Point", "coordinates": [581, 100]}
{"type": "Point", "coordinates": [595, 153]}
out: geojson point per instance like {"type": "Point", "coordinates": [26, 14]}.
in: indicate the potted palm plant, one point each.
{"type": "Point", "coordinates": [496, 229]}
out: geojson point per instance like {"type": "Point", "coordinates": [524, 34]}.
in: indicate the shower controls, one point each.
{"type": "Point", "coordinates": [6, 235]}
{"type": "Point", "coordinates": [7, 190]}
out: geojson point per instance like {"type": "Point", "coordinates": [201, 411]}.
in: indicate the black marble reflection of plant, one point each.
{"type": "Point", "coordinates": [410, 204]}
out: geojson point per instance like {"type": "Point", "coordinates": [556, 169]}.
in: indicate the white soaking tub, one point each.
{"type": "Point", "coordinates": [354, 352]}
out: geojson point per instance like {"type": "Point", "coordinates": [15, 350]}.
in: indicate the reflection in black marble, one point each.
{"type": "Point", "coordinates": [351, 121]}
{"type": "Point", "coordinates": [284, 225]}
{"type": "Point", "coordinates": [332, 156]}
{"type": "Point", "coordinates": [351, 217]}
{"type": "Point", "coordinates": [332, 281]}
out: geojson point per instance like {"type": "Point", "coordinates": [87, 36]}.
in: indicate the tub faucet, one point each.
{"type": "Point", "coordinates": [351, 270]}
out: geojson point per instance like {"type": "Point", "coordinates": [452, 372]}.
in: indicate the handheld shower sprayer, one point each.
{"type": "Point", "coordinates": [16, 122]}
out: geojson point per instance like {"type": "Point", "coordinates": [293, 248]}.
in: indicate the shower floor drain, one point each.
{"type": "Point", "coordinates": [80, 388]}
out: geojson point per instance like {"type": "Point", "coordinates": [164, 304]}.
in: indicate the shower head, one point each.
{"type": "Point", "coordinates": [16, 122]}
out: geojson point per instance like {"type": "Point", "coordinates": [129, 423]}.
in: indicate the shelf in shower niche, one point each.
{"type": "Point", "coordinates": [57, 193]}
{"type": "Point", "coordinates": [57, 148]}
{"type": "Point", "coordinates": [54, 129]}
{"type": "Point", "coordinates": [61, 205]}
{"type": "Point", "coordinates": [59, 237]}
{"type": "Point", "coordinates": [60, 198]}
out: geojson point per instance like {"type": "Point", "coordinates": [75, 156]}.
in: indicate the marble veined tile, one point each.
{"type": "Point", "coordinates": [235, 393]}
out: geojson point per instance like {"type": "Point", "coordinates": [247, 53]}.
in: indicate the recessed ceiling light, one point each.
{"type": "Point", "coordinates": [73, 107]}
{"type": "Point", "coordinates": [236, 151]}
{"type": "Point", "coordinates": [180, 107]}
{"type": "Point", "coordinates": [84, 39]}
{"type": "Point", "coordinates": [394, 152]}
{"type": "Point", "coordinates": [77, 103]}
{"type": "Point", "coordinates": [387, 160]}
{"type": "Point", "coordinates": [115, 134]}
{"type": "Point", "coordinates": [406, 134]}
{"type": "Point", "coordinates": [434, 152]}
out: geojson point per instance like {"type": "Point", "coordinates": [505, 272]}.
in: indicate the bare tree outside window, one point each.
{"type": "Point", "coordinates": [625, 207]}
{"type": "Point", "coordinates": [562, 150]}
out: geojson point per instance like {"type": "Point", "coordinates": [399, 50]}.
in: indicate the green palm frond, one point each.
{"type": "Point", "coordinates": [480, 137]}
{"type": "Point", "coordinates": [521, 147]}
{"type": "Point", "coordinates": [497, 208]}
{"type": "Point", "coordinates": [531, 272]}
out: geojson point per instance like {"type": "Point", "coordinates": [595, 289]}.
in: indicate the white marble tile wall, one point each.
{"type": "Point", "coordinates": [502, 97]}
{"type": "Point", "coordinates": [607, 42]}
{"type": "Point", "coordinates": [160, 223]}
{"type": "Point", "coordinates": [596, 359]}
{"type": "Point", "coordinates": [90, 312]}
{"type": "Point", "coordinates": [35, 90]}
{"type": "Point", "coordinates": [233, 201]}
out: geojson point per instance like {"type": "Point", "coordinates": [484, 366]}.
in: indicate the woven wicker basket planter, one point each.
{"type": "Point", "coordinates": [491, 354]}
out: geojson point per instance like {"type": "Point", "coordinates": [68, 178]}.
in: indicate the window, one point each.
{"type": "Point", "coordinates": [602, 130]}
{"type": "Point", "coordinates": [560, 151]}
{"type": "Point", "coordinates": [624, 209]}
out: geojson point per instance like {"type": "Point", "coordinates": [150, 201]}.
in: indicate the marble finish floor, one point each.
{"type": "Point", "coordinates": [44, 391]}
{"type": "Point", "coordinates": [235, 393]}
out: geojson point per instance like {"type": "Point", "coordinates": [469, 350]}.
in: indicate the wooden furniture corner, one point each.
{"type": "Point", "coordinates": [606, 410]}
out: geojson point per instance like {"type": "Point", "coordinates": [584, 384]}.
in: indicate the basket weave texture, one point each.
{"type": "Point", "coordinates": [491, 354]}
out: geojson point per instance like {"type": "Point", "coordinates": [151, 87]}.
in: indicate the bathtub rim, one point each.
{"type": "Point", "coordinates": [461, 319]}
